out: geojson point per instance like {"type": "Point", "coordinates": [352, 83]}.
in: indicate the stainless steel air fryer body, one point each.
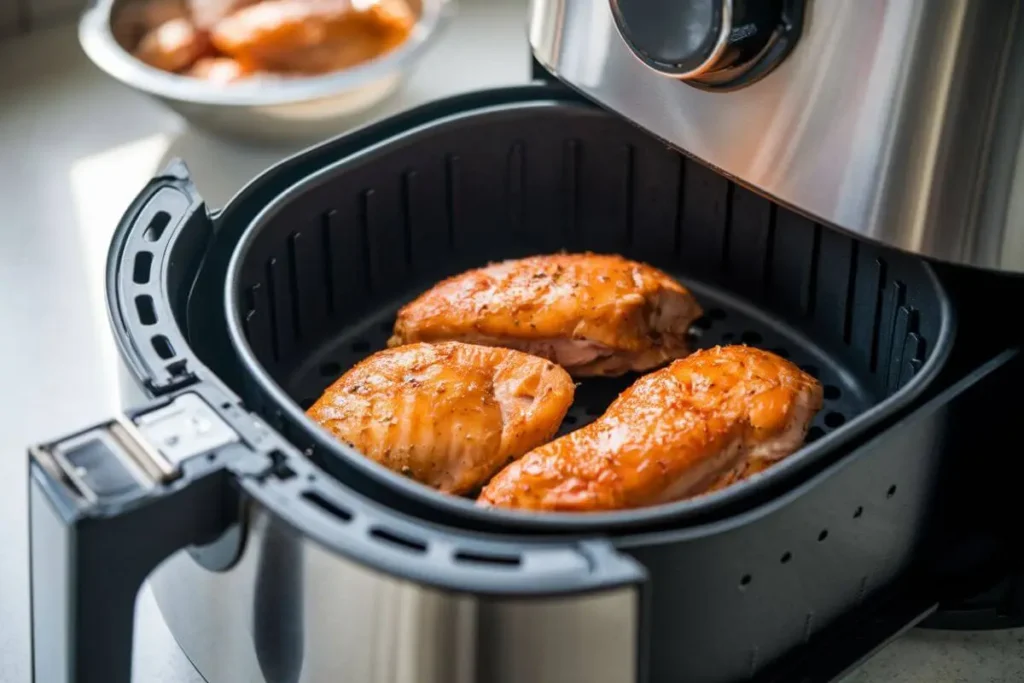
{"type": "Point", "coordinates": [898, 120]}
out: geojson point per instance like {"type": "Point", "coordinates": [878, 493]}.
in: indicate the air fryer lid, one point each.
{"type": "Point", "coordinates": [317, 277]}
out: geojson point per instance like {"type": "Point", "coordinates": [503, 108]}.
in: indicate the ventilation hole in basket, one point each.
{"type": "Point", "coordinates": [834, 420]}
{"type": "Point", "coordinates": [745, 581]}
{"type": "Point", "coordinates": [570, 420]}
{"type": "Point", "coordinates": [814, 433]}
{"type": "Point", "coordinates": [157, 226]}
{"type": "Point", "coordinates": [399, 541]}
{"type": "Point", "coordinates": [728, 337]}
{"type": "Point", "coordinates": [786, 557]}
{"type": "Point", "coordinates": [147, 312]}
{"type": "Point", "coordinates": [143, 264]}
{"type": "Point", "coordinates": [858, 512]}
{"type": "Point", "coordinates": [361, 346]}
{"type": "Point", "coordinates": [307, 402]}
{"type": "Point", "coordinates": [494, 560]}
{"type": "Point", "coordinates": [891, 492]}
{"type": "Point", "coordinates": [716, 314]}
{"type": "Point", "coordinates": [811, 370]}
{"type": "Point", "coordinates": [750, 337]}
{"type": "Point", "coordinates": [780, 352]}
{"type": "Point", "coordinates": [330, 369]}
{"type": "Point", "coordinates": [832, 392]}
{"type": "Point", "coordinates": [823, 535]}
{"type": "Point", "coordinates": [327, 506]}
{"type": "Point", "coordinates": [701, 324]}
{"type": "Point", "coordinates": [162, 346]}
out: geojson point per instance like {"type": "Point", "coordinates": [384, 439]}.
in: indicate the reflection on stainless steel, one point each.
{"type": "Point", "coordinates": [899, 120]}
{"type": "Point", "coordinates": [349, 623]}
{"type": "Point", "coordinates": [302, 109]}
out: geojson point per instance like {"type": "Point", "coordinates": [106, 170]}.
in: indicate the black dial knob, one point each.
{"type": "Point", "coordinates": [710, 43]}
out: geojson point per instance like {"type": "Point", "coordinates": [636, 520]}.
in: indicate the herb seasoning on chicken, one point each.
{"type": "Point", "coordinates": [593, 314]}
{"type": "Point", "coordinates": [447, 415]}
{"type": "Point", "coordinates": [703, 422]}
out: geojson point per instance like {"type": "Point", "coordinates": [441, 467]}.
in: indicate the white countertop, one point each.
{"type": "Point", "coordinates": [75, 147]}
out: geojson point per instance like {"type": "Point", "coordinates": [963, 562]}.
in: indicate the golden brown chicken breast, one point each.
{"type": "Point", "coordinates": [593, 314]}
{"type": "Point", "coordinates": [173, 45]}
{"type": "Point", "coordinates": [312, 36]}
{"type": "Point", "coordinates": [703, 421]}
{"type": "Point", "coordinates": [447, 415]}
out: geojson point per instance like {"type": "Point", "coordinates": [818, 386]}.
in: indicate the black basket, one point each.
{"type": "Point", "coordinates": [738, 577]}
{"type": "Point", "coordinates": [321, 272]}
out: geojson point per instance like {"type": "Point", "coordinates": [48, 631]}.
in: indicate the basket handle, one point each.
{"type": "Point", "coordinates": [106, 508]}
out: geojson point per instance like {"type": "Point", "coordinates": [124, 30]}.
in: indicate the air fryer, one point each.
{"type": "Point", "coordinates": [278, 554]}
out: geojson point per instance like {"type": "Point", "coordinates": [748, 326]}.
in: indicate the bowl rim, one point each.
{"type": "Point", "coordinates": [96, 37]}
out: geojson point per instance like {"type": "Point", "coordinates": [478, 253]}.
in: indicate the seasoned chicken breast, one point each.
{"type": "Point", "coordinates": [704, 421]}
{"type": "Point", "coordinates": [593, 314]}
{"type": "Point", "coordinates": [313, 36]}
{"type": "Point", "coordinates": [448, 415]}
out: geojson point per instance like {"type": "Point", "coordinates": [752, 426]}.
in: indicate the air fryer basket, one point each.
{"type": "Point", "coordinates": [338, 236]}
{"type": "Point", "coordinates": [318, 276]}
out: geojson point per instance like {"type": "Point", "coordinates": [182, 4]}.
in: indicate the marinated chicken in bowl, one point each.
{"type": "Point", "coordinates": [231, 40]}
{"type": "Point", "coordinates": [594, 314]}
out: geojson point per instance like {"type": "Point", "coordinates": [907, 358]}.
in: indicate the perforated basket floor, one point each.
{"type": "Point", "coordinates": [727, 321]}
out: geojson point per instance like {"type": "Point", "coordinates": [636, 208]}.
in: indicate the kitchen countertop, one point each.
{"type": "Point", "coordinates": [75, 147]}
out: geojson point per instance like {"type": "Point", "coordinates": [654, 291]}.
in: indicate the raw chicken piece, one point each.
{"type": "Point", "coordinates": [702, 422]}
{"type": "Point", "coordinates": [220, 70]}
{"type": "Point", "coordinates": [206, 13]}
{"type": "Point", "coordinates": [136, 18]}
{"type": "Point", "coordinates": [593, 314]}
{"type": "Point", "coordinates": [447, 415]}
{"type": "Point", "coordinates": [173, 45]}
{"type": "Point", "coordinates": [313, 36]}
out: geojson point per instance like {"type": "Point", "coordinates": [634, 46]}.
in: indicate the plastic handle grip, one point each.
{"type": "Point", "coordinates": [97, 527]}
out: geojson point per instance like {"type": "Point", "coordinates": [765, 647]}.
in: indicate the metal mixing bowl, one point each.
{"type": "Point", "coordinates": [290, 110]}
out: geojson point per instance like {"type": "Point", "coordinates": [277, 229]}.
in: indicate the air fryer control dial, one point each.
{"type": "Point", "coordinates": [719, 44]}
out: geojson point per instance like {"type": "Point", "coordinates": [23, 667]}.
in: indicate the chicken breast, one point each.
{"type": "Point", "coordinates": [704, 421]}
{"type": "Point", "coordinates": [593, 314]}
{"type": "Point", "coordinates": [448, 415]}
{"type": "Point", "coordinates": [313, 36]}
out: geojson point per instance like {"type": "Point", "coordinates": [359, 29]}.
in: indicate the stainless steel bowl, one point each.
{"type": "Point", "coordinates": [290, 110]}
